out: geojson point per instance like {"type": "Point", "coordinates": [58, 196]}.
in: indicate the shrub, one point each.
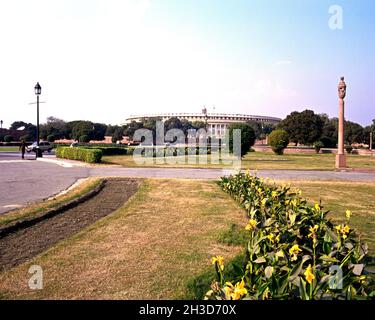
{"type": "Point", "coordinates": [278, 140]}
{"type": "Point", "coordinates": [51, 138]}
{"type": "Point", "coordinates": [27, 137]}
{"type": "Point", "coordinates": [247, 137]}
{"type": "Point", "coordinates": [318, 145]}
{"type": "Point", "coordinates": [349, 149]}
{"type": "Point", "coordinates": [84, 139]}
{"type": "Point", "coordinates": [294, 252]}
{"type": "Point", "coordinates": [86, 155]}
{"type": "Point", "coordinates": [8, 138]}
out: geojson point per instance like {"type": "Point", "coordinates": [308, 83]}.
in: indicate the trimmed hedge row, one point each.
{"type": "Point", "coordinates": [86, 155]}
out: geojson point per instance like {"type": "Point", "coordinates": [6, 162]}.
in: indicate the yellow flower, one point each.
{"type": "Point", "coordinates": [309, 275]}
{"type": "Point", "coordinates": [271, 237]}
{"type": "Point", "coordinates": [220, 262]}
{"type": "Point", "coordinates": [345, 230]}
{"type": "Point", "coordinates": [277, 239]}
{"type": "Point", "coordinates": [287, 202]}
{"type": "Point", "coordinates": [228, 290]}
{"type": "Point", "coordinates": [317, 207]}
{"type": "Point", "coordinates": [239, 290]}
{"type": "Point", "coordinates": [264, 202]}
{"type": "Point", "coordinates": [274, 194]}
{"type": "Point", "coordinates": [259, 190]}
{"type": "Point", "coordinates": [294, 251]}
{"type": "Point", "coordinates": [251, 225]}
{"type": "Point", "coordinates": [348, 214]}
{"type": "Point", "coordinates": [294, 202]}
{"type": "Point", "coordinates": [313, 231]}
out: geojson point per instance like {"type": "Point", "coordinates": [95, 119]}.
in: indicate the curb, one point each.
{"type": "Point", "coordinates": [18, 225]}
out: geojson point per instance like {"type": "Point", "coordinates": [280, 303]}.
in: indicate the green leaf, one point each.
{"type": "Point", "coordinates": [302, 290]}
{"type": "Point", "coordinates": [328, 259]}
{"type": "Point", "coordinates": [298, 268]}
{"type": "Point", "coordinates": [268, 272]}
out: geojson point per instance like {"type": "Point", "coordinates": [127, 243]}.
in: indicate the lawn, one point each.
{"type": "Point", "coordinates": [8, 149]}
{"type": "Point", "coordinates": [261, 160]}
{"type": "Point", "coordinates": [339, 196]}
{"type": "Point", "coordinates": [162, 238]}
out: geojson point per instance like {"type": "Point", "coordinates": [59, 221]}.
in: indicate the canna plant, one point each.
{"type": "Point", "coordinates": [294, 251]}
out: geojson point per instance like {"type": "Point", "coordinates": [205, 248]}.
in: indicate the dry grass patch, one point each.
{"type": "Point", "coordinates": [148, 249]}
{"type": "Point", "coordinates": [35, 208]}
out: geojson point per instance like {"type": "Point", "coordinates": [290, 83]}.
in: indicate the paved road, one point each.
{"type": "Point", "coordinates": [27, 181]}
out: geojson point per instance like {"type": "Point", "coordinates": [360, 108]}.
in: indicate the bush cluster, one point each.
{"type": "Point", "coordinates": [86, 155]}
{"type": "Point", "coordinates": [294, 251]}
{"type": "Point", "coordinates": [278, 140]}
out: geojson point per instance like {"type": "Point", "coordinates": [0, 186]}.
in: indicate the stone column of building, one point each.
{"type": "Point", "coordinates": [340, 157]}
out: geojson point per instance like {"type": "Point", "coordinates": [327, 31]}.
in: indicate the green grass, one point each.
{"type": "Point", "coordinates": [341, 196]}
{"type": "Point", "coordinates": [8, 149]}
{"type": "Point", "coordinates": [261, 161]}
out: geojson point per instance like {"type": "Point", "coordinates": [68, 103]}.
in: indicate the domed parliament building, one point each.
{"type": "Point", "coordinates": [217, 123]}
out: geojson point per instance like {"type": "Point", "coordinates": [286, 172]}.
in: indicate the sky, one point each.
{"type": "Point", "coordinates": [103, 60]}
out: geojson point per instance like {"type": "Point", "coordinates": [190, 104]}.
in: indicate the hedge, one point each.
{"type": "Point", "coordinates": [86, 155]}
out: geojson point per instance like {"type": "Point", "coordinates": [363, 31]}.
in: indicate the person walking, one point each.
{"type": "Point", "coordinates": [22, 148]}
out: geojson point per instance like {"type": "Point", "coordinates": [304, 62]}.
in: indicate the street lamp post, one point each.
{"type": "Point", "coordinates": [38, 91]}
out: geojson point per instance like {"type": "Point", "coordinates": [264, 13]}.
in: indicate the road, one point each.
{"type": "Point", "coordinates": [25, 181]}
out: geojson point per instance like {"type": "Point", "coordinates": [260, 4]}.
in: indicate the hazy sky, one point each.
{"type": "Point", "coordinates": [103, 60]}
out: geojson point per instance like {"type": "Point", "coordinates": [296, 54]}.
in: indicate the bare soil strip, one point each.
{"type": "Point", "coordinates": [24, 244]}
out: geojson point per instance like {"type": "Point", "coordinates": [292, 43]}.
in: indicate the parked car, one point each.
{"type": "Point", "coordinates": [43, 146]}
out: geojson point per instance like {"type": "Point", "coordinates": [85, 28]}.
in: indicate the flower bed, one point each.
{"type": "Point", "coordinates": [294, 251]}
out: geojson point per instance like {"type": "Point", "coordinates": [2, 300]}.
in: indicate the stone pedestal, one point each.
{"type": "Point", "coordinates": [340, 161]}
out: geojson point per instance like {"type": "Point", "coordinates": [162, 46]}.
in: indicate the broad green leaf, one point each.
{"type": "Point", "coordinates": [328, 259]}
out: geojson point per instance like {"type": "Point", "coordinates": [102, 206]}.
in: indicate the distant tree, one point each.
{"type": "Point", "coordinates": [8, 138]}
{"type": "Point", "coordinates": [82, 128]}
{"type": "Point", "coordinates": [84, 139]}
{"type": "Point", "coordinates": [173, 123]}
{"type": "Point", "coordinates": [247, 137]}
{"type": "Point", "coordinates": [278, 140]}
{"type": "Point", "coordinates": [118, 135]}
{"type": "Point", "coordinates": [198, 125]}
{"type": "Point", "coordinates": [354, 133]}
{"type": "Point", "coordinates": [54, 127]}
{"type": "Point", "coordinates": [99, 130]}
{"type": "Point", "coordinates": [111, 130]}
{"type": "Point", "coordinates": [366, 133]}
{"type": "Point", "coordinates": [257, 127]}
{"type": "Point", "coordinates": [28, 128]}
{"type": "Point", "coordinates": [304, 127]}
{"type": "Point", "coordinates": [131, 128]}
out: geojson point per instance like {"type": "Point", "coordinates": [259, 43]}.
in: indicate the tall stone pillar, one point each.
{"type": "Point", "coordinates": [340, 157]}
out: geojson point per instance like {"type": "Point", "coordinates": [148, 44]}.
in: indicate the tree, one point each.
{"type": "Point", "coordinates": [278, 140]}
{"type": "Point", "coordinates": [257, 127]}
{"type": "Point", "coordinates": [81, 128]}
{"type": "Point", "coordinates": [173, 123]}
{"type": "Point", "coordinates": [247, 137]}
{"type": "Point", "coordinates": [131, 128]}
{"type": "Point", "coordinates": [118, 135]}
{"type": "Point", "coordinates": [304, 127]}
{"type": "Point", "coordinates": [99, 130]}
